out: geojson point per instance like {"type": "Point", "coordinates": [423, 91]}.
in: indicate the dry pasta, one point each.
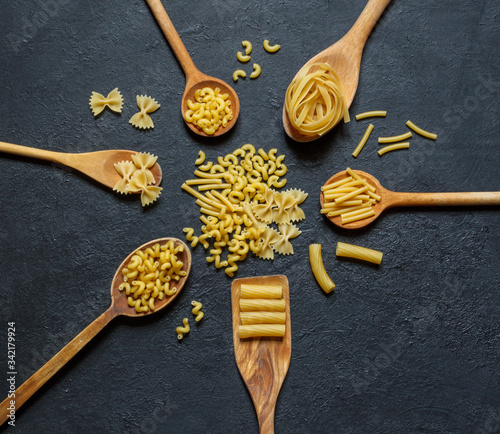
{"type": "Point", "coordinates": [239, 73]}
{"type": "Point", "coordinates": [318, 268]}
{"type": "Point", "coordinates": [146, 105]}
{"type": "Point", "coordinates": [209, 111]}
{"type": "Point", "coordinates": [393, 139]}
{"type": "Point", "coordinates": [270, 48]}
{"type": "Point", "coordinates": [181, 331]}
{"type": "Point", "coordinates": [261, 330]}
{"type": "Point", "coordinates": [358, 252]}
{"type": "Point", "coordinates": [262, 317]}
{"type": "Point", "coordinates": [256, 70]}
{"type": "Point", "coordinates": [98, 102]}
{"type": "Point", "coordinates": [394, 147]}
{"type": "Point", "coordinates": [247, 45]}
{"type": "Point", "coordinates": [197, 310]}
{"type": "Point", "coordinates": [261, 291]}
{"type": "Point", "coordinates": [373, 113]}
{"type": "Point", "coordinates": [242, 57]}
{"type": "Point", "coordinates": [315, 100]}
{"type": "Point", "coordinates": [262, 304]}
{"type": "Point", "coordinates": [363, 141]}
{"type": "Point", "coordinates": [420, 131]}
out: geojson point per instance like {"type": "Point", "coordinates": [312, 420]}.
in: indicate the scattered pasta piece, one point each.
{"type": "Point", "coordinates": [239, 73]}
{"type": "Point", "coordinates": [270, 48]}
{"type": "Point", "coordinates": [181, 331]}
{"type": "Point", "coordinates": [200, 159]}
{"type": "Point", "coordinates": [247, 45]}
{"type": "Point", "coordinates": [318, 268]}
{"type": "Point", "coordinates": [197, 310]}
{"type": "Point", "coordinates": [393, 139]}
{"type": "Point", "coordinates": [209, 111]}
{"type": "Point", "coordinates": [420, 131]}
{"type": "Point", "coordinates": [357, 252]}
{"type": "Point", "coordinates": [315, 100]}
{"type": "Point", "coordinates": [242, 57]}
{"type": "Point", "coordinates": [395, 147]}
{"type": "Point", "coordinates": [139, 183]}
{"type": "Point", "coordinates": [146, 105]}
{"type": "Point", "coordinates": [363, 141]}
{"type": "Point", "coordinates": [370, 114]}
{"type": "Point", "coordinates": [256, 70]}
{"type": "Point", "coordinates": [114, 101]}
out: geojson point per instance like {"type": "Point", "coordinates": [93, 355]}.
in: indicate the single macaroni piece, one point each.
{"type": "Point", "coordinates": [420, 131]}
{"type": "Point", "coordinates": [318, 268]}
{"type": "Point", "coordinates": [181, 331]}
{"type": "Point", "coordinates": [209, 111]}
{"type": "Point", "coordinates": [197, 310]}
{"type": "Point", "coordinates": [256, 70]}
{"type": "Point", "coordinates": [242, 57]}
{"type": "Point", "coordinates": [393, 139]}
{"type": "Point", "coordinates": [374, 113]}
{"type": "Point", "coordinates": [357, 252]}
{"type": "Point", "coordinates": [261, 291]}
{"type": "Point", "coordinates": [363, 141]}
{"type": "Point", "coordinates": [262, 304]}
{"type": "Point", "coordinates": [261, 330]}
{"type": "Point", "coordinates": [146, 105]}
{"type": "Point", "coordinates": [395, 147]}
{"type": "Point", "coordinates": [200, 159]}
{"type": "Point", "coordinates": [136, 177]}
{"type": "Point", "coordinates": [262, 317]}
{"type": "Point", "coordinates": [247, 45]}
{"type": "Point", "coordinates": [315, 100]}
{"type": "Point", "coordinates": [114, 101]}
{"type": "Point", "coordinates": [239, 73]}
{"type": "Point", "coordinates": [270, 48]}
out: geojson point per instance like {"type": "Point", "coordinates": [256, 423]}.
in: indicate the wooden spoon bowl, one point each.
{"type": "Point", "coordinates": [119, 306]}
{"type": "Point", "coordinates": [390, 199]}
{"type": "Point", "coordinates": [345, 58]}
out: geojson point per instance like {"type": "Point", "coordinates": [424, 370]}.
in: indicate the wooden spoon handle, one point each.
{"type": "Point", "coordinates": [172, 36]}
{"type": "Point", "coordinates": [39, 378]}
{"type": "Point", "coordinates": [363, 26]}
{"type": "Point", "coordinates": [445, 199]}
{"type": "Point", "coordinates": [26, 151]}
{"type": "Point", "coordinates": [265, 415]}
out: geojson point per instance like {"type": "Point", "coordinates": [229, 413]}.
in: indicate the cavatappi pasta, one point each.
{"type": "Point", "coordinates": [351, 198]}
{"type": "Point", "coordinates": [136, 177]}
{"type": "Point", "coordinates": [197, 310]}
{"type": "Point", "coordinates": [209, 111]}
{"type": "Point", "coordinates": [318, 268]}
{"type": "Point", "coordinates": [146, 105]}
{"type": "Point", "coordinates": [114, 101]}
{"type": "Point", "coordinates": [358, 252]}
{"type": "Point", "coordinates": [315, 100]}
{"type": "Point", "coordinates": [181, 331]}
{"type": "Point", "coordinates": [151, 274]}
{"type": "Point", "coordinates": [238, 201]}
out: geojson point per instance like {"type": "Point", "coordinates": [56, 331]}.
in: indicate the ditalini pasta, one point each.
{"type": "Point", "coordinates": [394, 147]}
{"type": "Point", "coordinates": [114, 101]}
{"type": "Point", "coordinates": [363, 141]}
{"type": "Point", "coordinates": [209, 111]}
{"type": "Point", "coordinates": [151, 274]}
{"type": "Point", "coordinates": [420, 131]}
{"type": "Point", "coordinates": [146, 105]}
{"type": "Point", "coordinates": [358, 252]}
{"type": "Point", "coordinates": [136, 177]}
{"type": "Point", "coordinates": [197, 310]}
{"type": "Point", "coordinates": [181, 331]}
{"type": "Point", "coordinates": [370, 114]}
{"type": "Point", "coordinates": [351, 198]}
{"type": "Point", "coordinates": [318, 268]}
{"type": "Point", "coordinates": [261, 330]}
{"type": "Point", "coordinates": [315, 101]}
{"type": "Point", "coordinates": [239, 202]}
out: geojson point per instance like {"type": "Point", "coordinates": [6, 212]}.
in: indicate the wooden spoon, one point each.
{"type": "Point", "coordinates": [263, 362]}
{"type": "Point", "coordinates": [391, 199]}
{"type": "Point", "coordinates": [119, 306]}
{"type": "Point", "coordinates": [97, 165]}
{"type": "Point", "coordinates": [195, 79]}
{"type": "Point", "coordinates": [345, 58]}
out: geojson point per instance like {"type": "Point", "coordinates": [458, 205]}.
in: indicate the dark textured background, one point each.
{"type": "Point", "coordinates": [410, 346]}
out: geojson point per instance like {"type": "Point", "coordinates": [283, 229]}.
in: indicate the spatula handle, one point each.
{"type": "Point", "coordinates": [446, 199]}
{"type": "Point", "coordinates": [26, 151]}
{"type": "Point", "coordinates": [172, 36]}
{"type": "Point", "coordinates": [39, 378]}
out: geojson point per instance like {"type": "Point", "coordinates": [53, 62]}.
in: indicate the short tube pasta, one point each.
{"type": "Point", "coordinates": [261, 330]}
{"type": "Point", "coordinates": [318, 268]}
{"type": "Point", "coordinates": [261, 291]}
{"type": "Point", "coordinates": [358, 252]}
{"type": "Point", "coordinates": [262, 317]}
{"type": "Point", "coordinates": [266, 305]}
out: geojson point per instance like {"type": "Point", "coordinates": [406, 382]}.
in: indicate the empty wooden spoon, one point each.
{"type": "Point", "coordinates": [345, 58]}
{"type": "Point", "coordinates": [119, 306]}
{"type": "Point", "coordinates": [195, 79]}
{"type": "Point", "coordinates": [263, 362]}
{"type": "Point", "coordinates": [97, 165]}
{"type": "Point", "coordinates": [390, 199]}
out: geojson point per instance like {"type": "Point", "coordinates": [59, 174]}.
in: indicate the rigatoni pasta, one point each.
{"type": "Point", "coordinates": [358, 252]}
{"type": "Point", "coordinates": [262, 330]}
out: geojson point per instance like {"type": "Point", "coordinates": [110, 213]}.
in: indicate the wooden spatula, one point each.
{"type": "Point", "coordinates": [263, 362]}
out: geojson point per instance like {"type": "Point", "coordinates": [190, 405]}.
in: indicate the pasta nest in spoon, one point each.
{"type": "Point", "coordinates": [315, 100]}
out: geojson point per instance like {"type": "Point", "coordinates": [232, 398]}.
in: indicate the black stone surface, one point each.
{"type": "Point", "coordinates": [410, 346]}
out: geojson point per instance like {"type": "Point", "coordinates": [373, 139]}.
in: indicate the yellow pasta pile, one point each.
{"type": "Point", "coordinates": [136, 177]}
{"type": "Point", "coordinates": [238, 204]}
{"type": "Point", "coordinates": [151, 274]}
{"type": "Point", "coordinates": [262, 311]}
{"type": "Point", "coordinates": [350, 198]}
{"type": "Point", "coordinates": [210, 110]}
{"type": "Point", "coordinates": [315, 100]}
